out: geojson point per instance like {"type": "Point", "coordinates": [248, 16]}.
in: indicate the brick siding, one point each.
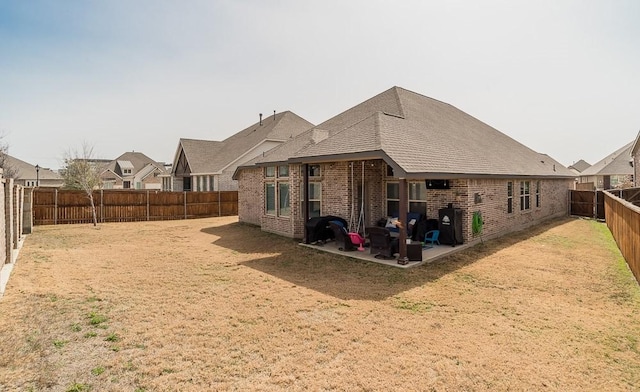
{"type": "Point", "coordinates": [338, 197]}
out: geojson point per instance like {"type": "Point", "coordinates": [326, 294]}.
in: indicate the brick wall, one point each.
{"type": "Point", "coordinates": [250, 196]}
{"type": "Point", "coordinates": [340, 192]}
{"type": "Point", "coordinates": [493, 205]}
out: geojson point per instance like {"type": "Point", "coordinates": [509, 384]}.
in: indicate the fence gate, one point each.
{"type": "Point", "coordinates": [586, 203]}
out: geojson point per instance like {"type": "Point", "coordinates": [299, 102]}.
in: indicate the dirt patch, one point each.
{"type": "Point", "coordinates": [211, 304]}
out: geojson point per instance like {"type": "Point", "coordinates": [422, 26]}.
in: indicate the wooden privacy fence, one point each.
{"type": "Point", "coordinates": [587, 203]}
{"type": "Point", "coordinates": [623, 220]}
{"type": "Point", "coordinates": [53, 206]}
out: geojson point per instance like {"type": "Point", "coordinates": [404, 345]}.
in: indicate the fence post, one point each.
{"type": "Point", "coordinates": [55, 207]}
{"type": "Point", "coordinates": [101, 205]}
{"type": "Point", "coordinates": [219, 208]}
{"type": "Point", "coordinates": [184, 194]}
{"type": "Point", "coordinates": [147, 205]}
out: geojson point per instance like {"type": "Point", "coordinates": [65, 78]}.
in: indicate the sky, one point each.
{"type": "Point", "coordinates": [560, 76]}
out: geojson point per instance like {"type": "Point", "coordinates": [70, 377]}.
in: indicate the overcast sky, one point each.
{"type": "Point", "coordinates": [562, 77]}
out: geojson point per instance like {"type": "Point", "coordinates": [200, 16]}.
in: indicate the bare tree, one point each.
{"type": "Point", "coordinates": [8, 170]}
{"type": "Point", "coordinates": [81, 172]}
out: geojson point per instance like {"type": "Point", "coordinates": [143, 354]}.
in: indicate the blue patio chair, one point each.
{"type": "Point", "coordinates": [430, 238]}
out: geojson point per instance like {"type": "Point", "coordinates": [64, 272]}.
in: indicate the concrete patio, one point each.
{"type": "Point", "coordinates": [428, 255]}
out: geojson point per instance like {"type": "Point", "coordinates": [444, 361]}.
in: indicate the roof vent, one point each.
{"type": "Point", "coordinates": [274, 114]}
{"type": "Point", "coordinates": [260, 119]}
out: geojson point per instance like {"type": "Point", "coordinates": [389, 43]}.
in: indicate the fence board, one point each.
{"type": "Point", "coordinates": [52, 206]}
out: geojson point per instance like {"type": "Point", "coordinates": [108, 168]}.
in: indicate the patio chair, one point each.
{"type": "Point", "coordinates": [380, 242]}
{"type": "Point", "coordinates": [341, 236]}
{"type": "Point", "coordinates": [431, 238]}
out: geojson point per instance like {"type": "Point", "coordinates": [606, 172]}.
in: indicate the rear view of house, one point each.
{"type": "Point", "coordinates": [402, 152]}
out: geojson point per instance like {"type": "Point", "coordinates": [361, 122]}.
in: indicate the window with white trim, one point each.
{"type": "Point", "coordinates": [418, 197]}
{"type": "Point", "coordinates": [270, 198]}
{"type": "Point", "coordinates": [537, 194]}
{"type": "Point", "coordinates": [525, 195]}
{"type": "Point", "coordinates": [315, 199]}
{"type": "Point", "coordinates": [276, 191]}
{"type": "Point", "coordinates": [393, 198]}
{"type": "Point", "coordinates": [509, 197]}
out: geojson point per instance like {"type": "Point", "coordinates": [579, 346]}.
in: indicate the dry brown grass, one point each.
{"type": "Point", "coordinates": [214, 305]}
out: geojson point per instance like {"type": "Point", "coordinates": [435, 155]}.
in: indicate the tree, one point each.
{"type": "Point", "coordinates": [8, 170]}
{"type": "Point", "coordinates": [82, 173]}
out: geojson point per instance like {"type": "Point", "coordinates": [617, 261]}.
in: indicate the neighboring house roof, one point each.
{"type": "Point", "coordinates": [580, 166]}
{"type": "Point", "coordinates": [197, 153]}
{"type": "Point", "coordinates": [135, 161]}
{"type": "Point", "coordinates": [26, 171]}
{"type": "Point", "coordinates": [211, 157]}
{"type": "Point", "coordinates": [124, 164]}
{"type": "Point", "coordinates": [420, 137]}
{"type": "Point", "coordinates": [636, 145]}
{"type": "Point", "coordinates": [616, 163]}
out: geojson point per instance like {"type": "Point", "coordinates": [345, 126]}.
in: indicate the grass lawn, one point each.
{"type": "Point", "coordinates": [210, 304]}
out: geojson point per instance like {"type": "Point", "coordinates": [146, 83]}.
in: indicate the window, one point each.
{"type": "Point", "coordinates": [525, 195]}
{"type": "Point", "coordinates": [393, 198]}
{"type": "Point", "coordinates": [283, 171]}
{"type": "Point", "coordinates": [270, 171]}
{"type": "Point", "coordinates": [537, 194]}
{"type": "Point", "coordinates": [389, 171]}
{"type": "Point", "coordinates": [270, 198]}
{"type": "Point", "coordinates": [138, 185]}
{"type": "Point", "coordinates": [314, 170]}
{"type": "Point", "coordinates": [315, 199]}
{"type": "Point", "coordinates": [126, 184]}
{"type": "Point", "coordinates": [276, 192]}
{"type": "Point", "coordinates": [418, 197]}
{"type": "Point", "coordinates": [509, 197]}
{"type": "Point", "coordinates": [283, 198]}
{"type": "Point", "coordinates": [127, 171]}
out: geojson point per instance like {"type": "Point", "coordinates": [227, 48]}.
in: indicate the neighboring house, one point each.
{"type": "Point", "coordinates": [29, 175]}
{"type": "Point", "coordinates": [206, 165]}
{"type": "Point", "coordinates": [132, 170]}
{"type": "Point", "coordinates": [613, 171]}
{"type": "Point", "coordinates": [579, 166]}
{"type": "Point", "coordinates": [635, 158]}
{"type": "Point", "coordinates": [401, 151]}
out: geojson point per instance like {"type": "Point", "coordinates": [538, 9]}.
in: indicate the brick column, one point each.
{"type": "Point", "coordinates": [8, 216]}
{"type": "Point", "coordinates": [27, 211]}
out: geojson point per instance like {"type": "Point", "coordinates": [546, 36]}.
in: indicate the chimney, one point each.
{"type": "Point", "coordinates": [261, 119]}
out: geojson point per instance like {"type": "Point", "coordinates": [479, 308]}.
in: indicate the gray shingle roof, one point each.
{"type": "Point", "coordinates": [205, 156]}
{"type": "Point", "coordinates": [616, 163]}
{"type": "Point", "coordinates": [27, 171]}
{"type": "Point", "coordinates": [580, 166]}
{"type": "Point", "coordinates": [133, 160]}
{"type": "Point", "coordinates": [422, 136]}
